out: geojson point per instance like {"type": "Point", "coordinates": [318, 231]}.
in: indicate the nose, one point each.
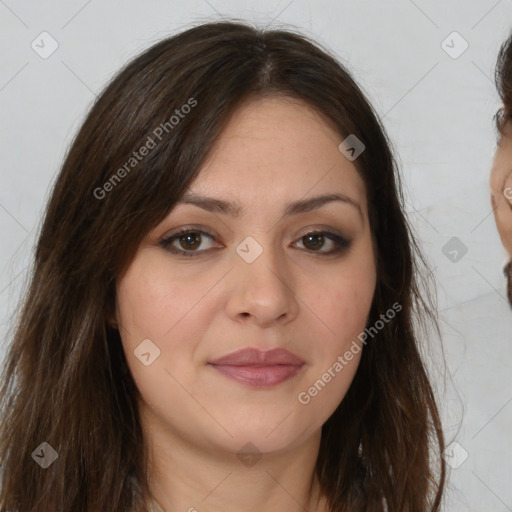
{"type": "Point", "coordinates": [262, 291]}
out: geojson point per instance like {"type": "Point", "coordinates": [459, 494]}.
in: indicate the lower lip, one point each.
{"type": "Point", "coordinates": [259, 376]}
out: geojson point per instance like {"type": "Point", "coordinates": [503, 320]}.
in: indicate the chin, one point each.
{"type": "Point", "coordinates": [258, 444]}
{"type": "Point", "coordinates": [270, 436]}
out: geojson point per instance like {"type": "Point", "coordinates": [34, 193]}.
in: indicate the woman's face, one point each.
{"type": "Point", "coordinates": [501, 198]}
{"type": "Point", "coordinates": [253, 280]}
{"type": "Point", "coordinates": [501, 188]}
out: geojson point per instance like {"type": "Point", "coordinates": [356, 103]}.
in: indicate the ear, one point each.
{"type": "Point", "coordinates": [507, 188]}
{"type": "Point", "coordinates": [113, 324]}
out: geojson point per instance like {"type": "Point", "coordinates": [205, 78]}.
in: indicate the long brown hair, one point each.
{"type": "Point", "coordinates": [503, 79]}
{"type": "Point", "coordinates": [66, 380]}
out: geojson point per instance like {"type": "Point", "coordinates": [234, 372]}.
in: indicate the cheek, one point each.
{"type": "Point", "coordinates": [151, 301]}
{"type": "Point", "coordinates": [161, 307]}
{"type": "Point", "coordinates": [345, 313]}
{"type": "Point", "coordinates": [342, 302]}
{"type": "Point", "coordinates": [341, 316]}
{"type": "Point", "coordinates": [171, 309]}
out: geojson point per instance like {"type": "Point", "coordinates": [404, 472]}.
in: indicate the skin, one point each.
{"type": "Point", "coordinates": [195, 309]}
{"type": "Point", "coordinates": [501, 194]}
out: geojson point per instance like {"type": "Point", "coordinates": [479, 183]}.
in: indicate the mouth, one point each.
{"type": "Point", "coordinates": [259, 368]}
{"type": "Point", "coordinates": [260, 376]}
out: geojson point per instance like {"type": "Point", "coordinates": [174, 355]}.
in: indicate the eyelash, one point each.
{"type": "Point", "coordinates": [342, 244]}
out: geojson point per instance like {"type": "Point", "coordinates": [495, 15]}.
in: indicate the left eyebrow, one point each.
{"type": "Point", "coordinates": [233, 209]}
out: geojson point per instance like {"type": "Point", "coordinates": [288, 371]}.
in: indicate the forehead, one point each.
{"type": "Point", "coordinates": [278, 147]}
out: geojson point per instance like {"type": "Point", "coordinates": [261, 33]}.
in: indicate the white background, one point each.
{"type": "Point", "coordinates": [437, 109]}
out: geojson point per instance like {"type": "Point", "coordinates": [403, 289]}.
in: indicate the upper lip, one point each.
{"type": "Point", "coordinates": [256, 357]}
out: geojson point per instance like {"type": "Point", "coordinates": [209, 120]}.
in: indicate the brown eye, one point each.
{"type": "Point", "coordinates": [316, 240]}
{"type": "Point", "coordinates": [189, 240]}
{"type": "Point", "coordinates": [313, 241]}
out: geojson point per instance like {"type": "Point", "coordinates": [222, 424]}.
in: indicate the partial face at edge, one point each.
{"type": "Point", "coordinates": [310, 296]}
{"type": "Point", "coordinates": [501, 190]}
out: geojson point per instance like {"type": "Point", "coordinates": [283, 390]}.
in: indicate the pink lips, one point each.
{"type": "Point", "coordinates": [259, 368]}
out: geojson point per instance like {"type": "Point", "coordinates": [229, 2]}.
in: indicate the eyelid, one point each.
{"type": "Point", "coordinates": [315, 228]}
